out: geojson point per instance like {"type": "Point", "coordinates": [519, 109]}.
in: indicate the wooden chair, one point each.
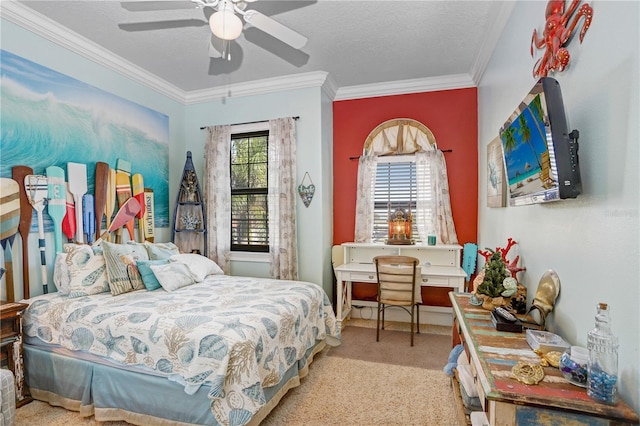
{"type": "Point", "coordinates": [398, 285]}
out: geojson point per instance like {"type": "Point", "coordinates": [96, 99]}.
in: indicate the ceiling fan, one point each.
{"type": "Point", "coordinates": [226, 24]}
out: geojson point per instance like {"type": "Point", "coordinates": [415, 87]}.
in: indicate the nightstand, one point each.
{"type": "Point", "coordinates": [11, 346]}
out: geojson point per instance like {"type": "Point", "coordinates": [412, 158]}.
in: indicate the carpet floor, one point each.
{"type": "Point", "coordinates": [344, 388]}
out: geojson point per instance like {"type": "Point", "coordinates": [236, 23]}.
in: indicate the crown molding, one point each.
{"type": "Point", "coordinates": [502, 13]}
{"type": "Point", "coordinates": [39, 24]}
{"type": "Point", "coordinates": [429, 84]}
{"type": "Point", "coordinates": [258, 87]}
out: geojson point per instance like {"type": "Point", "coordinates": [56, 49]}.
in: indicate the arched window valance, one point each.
{"type": "Point", "coordinates": [400, 136]}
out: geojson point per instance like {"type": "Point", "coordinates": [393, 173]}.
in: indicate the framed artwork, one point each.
{"type": "Point", "coordinates": [496, 183]}
{"type": "Point", "coordinates": [49, 119]}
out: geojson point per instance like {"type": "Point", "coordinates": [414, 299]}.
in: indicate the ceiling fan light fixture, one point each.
{"type": "Point", "coordinates": [225, 24]}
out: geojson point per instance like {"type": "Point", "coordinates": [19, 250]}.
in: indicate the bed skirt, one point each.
{"type": "Point", "coordinates": [113, 394]}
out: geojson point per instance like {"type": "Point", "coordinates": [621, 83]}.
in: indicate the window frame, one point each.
{"type": "Point", "coordinates": [387, 159]}
{"type": "Point", "coordinates": [249, 252]}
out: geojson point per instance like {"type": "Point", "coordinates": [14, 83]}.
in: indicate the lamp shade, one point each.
{"type": "Point", "coordinates": [226, 25]}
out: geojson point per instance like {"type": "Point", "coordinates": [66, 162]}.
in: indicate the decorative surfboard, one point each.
{"type": "Point", "coordinates": [9, 222]}
{"type": "Point", "coordinates": [57, 204]}
{"type": "Point", "coordinates": [110, 201]}
{"type": "Point", "coordinates": [37, 192]}
{"type": "Point", "coordinates": [88, 217]}
{"type": "Point", "coordinates": [26, 214]}
{"type": "Point", "coordinates": [69, 221]}
{"type": "Point", "coordinates": [77, 174]}
{"type": "Point", "coordinates": [148, 219]}
{"type": "Point", "coordinates": [123, 193]}
{"type": "Point", "coordinates": [137, 184]}
{"type": "Point", "coordinates": [189, 218]}
{"type": "Point", "coordinates": [100, 194]}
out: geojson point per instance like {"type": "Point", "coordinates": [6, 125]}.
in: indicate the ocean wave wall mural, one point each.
{"type": "Point", "coordinates": [50, 119]}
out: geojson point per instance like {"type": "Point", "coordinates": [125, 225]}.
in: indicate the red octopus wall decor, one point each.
{"type": "Point", "coordinates": [557, 33]}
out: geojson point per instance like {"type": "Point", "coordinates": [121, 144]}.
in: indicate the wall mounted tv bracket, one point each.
{"type": "Point", "coordinates": [573, 149]}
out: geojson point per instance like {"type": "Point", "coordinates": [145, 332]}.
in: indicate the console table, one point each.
{"type": "Point", "coordinates": [506, 401]}
{"type": "Point", "coordinates": [440, 267]}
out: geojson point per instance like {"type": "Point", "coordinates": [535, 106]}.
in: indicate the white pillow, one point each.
{"type": "Point", "coordinates": [61, 277]}
{"type": "Point", "coordinates": [200, 266]}
{"type": "Point", "coordinates": [172, 276]}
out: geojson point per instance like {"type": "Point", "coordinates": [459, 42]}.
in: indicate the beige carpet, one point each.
{"type": "Point", "coordinates": [429, 351]}
{"type": "Point", "coordinates": [337, 391]}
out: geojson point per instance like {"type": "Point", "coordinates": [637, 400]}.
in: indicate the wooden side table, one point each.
{"type": "Point", "coordinates": [11, 346]}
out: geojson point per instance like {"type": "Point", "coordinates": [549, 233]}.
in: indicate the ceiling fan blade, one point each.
{"type": "Point", "coordinates": [274, 28]}
{"type": "Point", "coordinates": [162, 25]}
{"type": "Point", "coordinates": [146, 6]}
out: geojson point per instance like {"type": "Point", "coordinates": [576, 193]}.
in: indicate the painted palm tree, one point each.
{"type": "Point", "coordinates": [525, 132]}
{"type": "Point", "coordinates": [509, 138]}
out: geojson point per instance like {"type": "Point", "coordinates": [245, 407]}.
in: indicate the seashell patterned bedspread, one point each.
{"type": "Point", "coordinates": [239, 335]}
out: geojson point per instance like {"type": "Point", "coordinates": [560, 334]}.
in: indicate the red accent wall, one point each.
{"type": "Point", "coordinates": [452, 116]}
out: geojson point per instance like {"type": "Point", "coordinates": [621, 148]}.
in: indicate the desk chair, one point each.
{"type": "Point", "coordinates": [398, 285]}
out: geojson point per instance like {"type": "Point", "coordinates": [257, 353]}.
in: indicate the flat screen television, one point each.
{"type": "Point", "coordinates": [540, 155]}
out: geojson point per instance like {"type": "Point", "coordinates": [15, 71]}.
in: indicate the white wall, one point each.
{"type": "Point", "coordinates": [592, 241]}
{"type": "Point", "coordinates": [313, 156]}
{"type": "Point", "coordinates": [36, 49]}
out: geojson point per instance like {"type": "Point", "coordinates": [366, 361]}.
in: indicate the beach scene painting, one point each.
{"type": "Point", "coordinates": [50, 119]}
{"type": "Point", "coordinates": [526, 152]}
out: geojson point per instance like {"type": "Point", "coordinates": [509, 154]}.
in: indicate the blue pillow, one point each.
{"type": "Point", "coordinates": [148, 277]}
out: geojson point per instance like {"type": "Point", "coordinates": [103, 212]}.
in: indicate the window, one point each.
{"type": "Point", "coordinates": [395, 188]}
{"type": "Point", "coordinates": [249, 190]}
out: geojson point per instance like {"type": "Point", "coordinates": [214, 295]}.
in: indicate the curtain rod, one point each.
{"type": "Point", "coordinates": [443, 150]}
{"type": "Point", "coordinates": [251, 122]}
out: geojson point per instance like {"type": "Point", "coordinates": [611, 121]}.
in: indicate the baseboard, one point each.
{"type": "Point", "coordinates": [434, 315]}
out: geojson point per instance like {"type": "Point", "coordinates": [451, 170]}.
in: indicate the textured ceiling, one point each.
{"type": "Point", "coordinates": [356, 42]}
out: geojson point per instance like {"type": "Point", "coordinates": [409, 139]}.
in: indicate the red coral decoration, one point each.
{"type": "Point", "coordinates": [512, 266]}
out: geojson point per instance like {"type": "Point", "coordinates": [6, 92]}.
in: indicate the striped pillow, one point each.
{"type": "Point", "coordinates": [118, 271]}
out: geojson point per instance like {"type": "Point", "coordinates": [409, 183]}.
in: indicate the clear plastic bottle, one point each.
{"type": "Point", "coordinates": [602, 374]}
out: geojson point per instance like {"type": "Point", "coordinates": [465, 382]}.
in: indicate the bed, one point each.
{"type": "Point", "coordinates": [221, 351]}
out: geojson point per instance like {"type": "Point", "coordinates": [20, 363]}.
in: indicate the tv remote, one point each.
{"type": "Point", "coordinates": [502, 312]}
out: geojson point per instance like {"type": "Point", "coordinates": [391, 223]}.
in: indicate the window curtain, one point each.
{"type": "Point", "coordinates": [433, 205]}
{"type": "Point", "coordinates": [364, 198]}
{"type": "Point", "coordinates": [283, 245]}
{"type": "Point", "coordinates": [217, 190]}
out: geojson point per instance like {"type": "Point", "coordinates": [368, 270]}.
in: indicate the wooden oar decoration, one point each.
{"type": "Point", "coordinates": [78, 187]}
{"type": "Point", "coordinates": [127, 212]}
{"type": "Point", "coordinates": [9, 222]}
{"type": "Point", "coordinates": [69, 221]}
{"type": "Point", "coordinates": [88, 217]}
{"type": "Point", "coordinates": [110, 202]}
{"type": "Point", "coordinates": [37, 191]}
{"type": "Point", "coordinates": [138, 194]}
{"type": "Point", "coordinates": [57, 204]}
{"type": "Point", "coordinates": [148, 219]}
{"type": "Point", "coordinates": [123, 193]}
{"type": "Point", "coordinates": [100, 194]}
{"type": "Point", "coordinates": [26, 215]}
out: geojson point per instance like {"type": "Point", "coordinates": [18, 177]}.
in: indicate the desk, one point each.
{"type": "Point", "coordinates": [440, 267]}
{"type": "Point", "coordinates": [506, 401]}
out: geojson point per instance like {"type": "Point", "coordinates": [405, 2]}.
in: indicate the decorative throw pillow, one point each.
{"type": "Point", "coordinates": [200, 266]}
{"type": "Point", "coordinates": [159, 251]}
{"type": "Point", "coordinates": [117, 270]}
{"type": "Point", "coordinates": [132, 271]}
{"type": "Point", "coordinates": [86, 270]}
{"type": "Point", "coordinates": [148, 277]}
{"type": "Point", "coordinates": [173, 275]}
{"type": "Point", "coordinates": [61, 277]}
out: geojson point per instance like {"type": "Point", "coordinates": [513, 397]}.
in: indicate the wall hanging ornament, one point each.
{"type": "Point", "coordinates": [557, 33]}
{"type": "Point", "coordinates": [306, 191]}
